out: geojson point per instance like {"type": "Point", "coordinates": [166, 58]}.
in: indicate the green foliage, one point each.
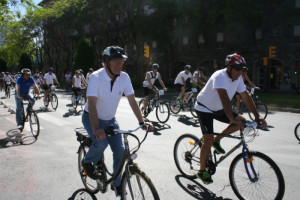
{"type": "Point", "coordinates": [84, 57]}
{"type": "Point", "coordinates": [136, 83]}
{"type": "Point", "coordinates": [25, 61]}
{"type": "Point", "coordinates": [3, 65]}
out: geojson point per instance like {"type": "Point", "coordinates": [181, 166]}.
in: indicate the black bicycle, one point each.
{"type": "Point", "coordinates": [135, 183]}
{"type": "Point", "coordinates": [31, 117]}
{"type": "Point", "coordinates": [51, 98]}
{"type": "Point", "coordinates": [261, 107]}
{"type": "Point", "coordinates": [162, 109]}
{"type": "Point", "coordinates": [252, 174]}
{"type": "Point", "coordinates": [297, 131]}
{"type": "Point", "coordinates": [79, 100]}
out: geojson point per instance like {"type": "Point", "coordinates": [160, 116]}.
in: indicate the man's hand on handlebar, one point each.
{"type": "Point", "coordinates": [99, 134]}
{"type": "Point", "coordinates": [148, 125]}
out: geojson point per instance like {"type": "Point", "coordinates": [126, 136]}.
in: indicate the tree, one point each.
{"type": "Point", "coordinates": [84, 57]}
{"type": "Point", "coordinates": [25, 61]}
{"type": "Point", "coordinates": [3, 65]}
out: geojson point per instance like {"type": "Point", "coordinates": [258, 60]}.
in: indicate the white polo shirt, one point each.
{"type": "Point", "coordinates": [209, 95]}
{"type": "Point", "coordinates": [184, 75]}
{"type": "Point", "coordinates": [108, 98]}
{"type": "Point", "coordinates": [49, 78]}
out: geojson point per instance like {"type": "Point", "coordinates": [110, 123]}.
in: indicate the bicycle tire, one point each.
{"type": "Point", "coordinates": [74, 104]}
{"type": "Point", "coordinates": [54, 101]}
{"type": "Point", "coordinates": [90, 184]}
{"type": "Point", "coordinates": [187, 155]}
{"type": "Point", "coordinates": [46, 102]}
{"type": "Point", "coordinates": [174, 105]}
{"type": "Point", "coordinates": [192, 107]}
{"type": "Point", "coordinates": [162, 110]}
{"type": "Point", "coordinates": [34, 124]}
{"type": "Point", "coordinates": [82, 102]}
{"type": "Point", "coordinates": [142, 109]}
{"type": "Point", "coordinates": [297, 132]}
{"type": "Point", "coordinates": [262, 110]}
{"type": "Point", "coordinates": [261, 186]}
{"type": "Point", "coordinates": [137, 185]}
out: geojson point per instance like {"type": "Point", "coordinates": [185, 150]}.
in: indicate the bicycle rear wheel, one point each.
{"type": "Point", "coordinates": [192, 107]}
{"type": "Point", "coordinates": [82, 102]}
{"type": "Point", "coordinates": [267, 181]}
{"type": "Point", "coordinates": [174, 105]}
{"type": "Point", "coordinates": [54, 101]}
{"type": "Point", "coordinates": [262, 110]}
{"type": "Point", "coordinates": [162, 112]}
{"type": "Point", "coordinates": [74, 104]}
{"type": "Point", "coordinates": [34, 124]}
{"type": "Point", "coordinates": [137, 185]}
{"type": "Point", "coordinates": [142, 108]}
{"type": "Point", "coordinates": [187, 155]}
{"type": "Point", "coordinates": [90, 184]}
{"type": "Point", "coordinates": [297, 131]}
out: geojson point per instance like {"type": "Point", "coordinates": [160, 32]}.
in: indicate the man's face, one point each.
{"type": "Point", "coordinates": [154, 70]}
{"type": "Point", "coordinates": [187, 71]}
{"type": "Point", "coordinates": [77, 74]}
{"type": "Point", "coordinates": [50, 72]}
{"type": "Point", "coordinates": [26, 76]}
{"type": "Point", "coordinates": [235, 72]}
{"type": "Point", "coordinates": [116, 65]}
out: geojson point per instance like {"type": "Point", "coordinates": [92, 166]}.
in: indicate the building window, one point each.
{"type": "Point", "coordinates": [297, 3]}
{"type": "Point", "coordinates": [201, 39]}
{"type": "Point", "coordinates": [258, 34]}
{"type": "Point", "coordinates": [185, 40]}
{"type": "Point", "coordinates": [220, 37]}
{"type": "Point", "coordinates": [154, 44]}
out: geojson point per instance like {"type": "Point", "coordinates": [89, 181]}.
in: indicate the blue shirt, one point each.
{"type": "Point", "coordinates": [24, 85]}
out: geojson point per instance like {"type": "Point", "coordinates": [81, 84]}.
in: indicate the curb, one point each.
{"type": "Point", "coordinates": [10, 109]}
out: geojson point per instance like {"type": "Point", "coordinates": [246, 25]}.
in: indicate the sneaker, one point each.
{"type": "Point", "coordinates": [118, 190]}
{"type": "Point", "coordinates": [20, 127]}
{"type": "Point", "coordinates": [90, 170]}
{"type": "Point", "coordinates": [216, 145]}
{"type": "Point", "coordinates": [204, 176]}
{"type": "Point", "coordinates": [180, 101]}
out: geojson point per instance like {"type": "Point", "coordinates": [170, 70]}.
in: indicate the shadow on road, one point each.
{"type": "Point", "coordinates": [72, 112]}
{"type": "Point", "coordinates": [190, 121]}
{"type": "Point", "coordinates": [158, 127]}
{"type": "Point", "coordinates": [16, 138]}
{"type": "Point", "coordinates": [196, 190]}
{"type": "Point", "coordinates": [82, 194]}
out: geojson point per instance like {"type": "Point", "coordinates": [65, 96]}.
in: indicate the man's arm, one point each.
{"type": "Point", "coordinates": [18, 92]}
{"type": "Point", "coordinates": [97, 131]}
{"type": "Point", "coordinates": [161, 82]}
{"type": "Point", "coordinates": [55, 80]}
{"type": "Point", "coordinates": [250, 82]}
{"type": "Point", "coordinates": [36, 89]}
{"type": "Point", "coordinates": [183, 81]}
{"type": "Point", "coordinates": [149, 81]}
{"type": "Point", "coordinates": [73, 81]}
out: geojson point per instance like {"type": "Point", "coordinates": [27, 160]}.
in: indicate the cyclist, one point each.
{"type": "Point", "coordinates": [7, 80]}
{"type": "Point", "coordinates": [245, 78]}
{"type": "Point", "coordinates": [182, 81]}
{"type": "Point", "coordinates": [104, 92]}
{"type": "Point", "coordinates": [48, 80]}
{"type": "Point", "coordinates": [88, 75]}
{"type": "Point", "coordinates": [213, 102]}
{"type": "Point", "coordinates": [150, 78]}
{"type": "Point", "coordinates": [199, 76]}
{"type": "Point", "coordinates": [77, 81]}
{"type": "Point", "coordinates": [23, 84]}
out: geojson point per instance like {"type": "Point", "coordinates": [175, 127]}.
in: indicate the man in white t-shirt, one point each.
{"type": "Point", "coordinates": [182, 82]}
{"type": "Point", "coordinates": [213, 102]}
{"type": "Point", "coordinates": [88, 75]}
{"type": "Point", "coordinates": [48, 81]}
{"type": "Point", "coordinates": [105, 89]}
{"type": "Point", "coordinates": [199, 77]}
{"type": "Point", "coordinates": [68, 79]}
{"type": "Point", "coordinates": [77, 81]}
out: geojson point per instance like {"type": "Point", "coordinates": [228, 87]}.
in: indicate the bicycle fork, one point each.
{"type": "Point", "coordinates": [248, 163]}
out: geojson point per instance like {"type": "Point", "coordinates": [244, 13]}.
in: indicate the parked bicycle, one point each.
{"type": "Point", "coordinates": [162, 109]}
{"type": "Point", "coordinates": [52, 98]}
{"type": "Point", "coordinates": [31, 117]}
{"type": "Point", "coordinates": [261, 107]}
{"type": "Point", "coordinates": [80, 99]}
{"type": "Point", "coordinates": [176, 106]}
{"type": "Point", "coordinates": [135, 183]}
{"type": "Point", "coordinates": [297, 131]}
{"type": "Point", "coordinates": [252, 174]}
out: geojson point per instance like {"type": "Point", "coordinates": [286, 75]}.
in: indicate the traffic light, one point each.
{"type": "Point", "coordinates": [272, 51]}
{"type": "Point", "coordinates": [147, 51]}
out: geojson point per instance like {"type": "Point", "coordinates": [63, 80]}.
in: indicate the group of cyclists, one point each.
{"type": "Point", "coordinates": [107, 85]}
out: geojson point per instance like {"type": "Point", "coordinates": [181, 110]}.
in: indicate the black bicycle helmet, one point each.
{"type": "Point", "coordinates": [114, 52]}
{"type": "Point", "coordinates": [155, 66]}
{"type": "Point", "coordinates": [188, 67]}
{"type": "Point", "coordinates": [25, 71]}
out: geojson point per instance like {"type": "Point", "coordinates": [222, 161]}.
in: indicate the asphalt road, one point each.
{"type": "Point", "coordinates": [46, 168]}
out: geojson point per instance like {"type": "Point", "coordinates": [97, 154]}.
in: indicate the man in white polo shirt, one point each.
{"type": "Point", "coordinates": [105, 89]}
{"type": "Point", "coordinates": [48, 79]}
{"type": "Point", "coordinates": [213, 102]}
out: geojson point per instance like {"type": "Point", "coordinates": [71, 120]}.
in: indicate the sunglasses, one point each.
{"type": "Point", "coordinates": [237, 68]}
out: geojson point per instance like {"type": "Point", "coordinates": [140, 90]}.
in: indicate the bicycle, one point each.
{"type": "Point", "coordinates": [162, 109]}
{"type": "Point", "coordinates": [135, 183]}
{"type": "Point", "coordinates": [80, 99]}
{"type": "Point", "coordinates": [261, 107]}
{"type": "Point", "coordinates": [31, 117]}
{"type": "Point", "coordinates": [7, 89]}
{"type": "Point", "coordinates": [51, 98]}
{"type": "Point", "coordinates": [176, 106]}
{"type": "Point", "coordinates": [252, 174]}
{"type": "Point", "coordinates": [297, 132]}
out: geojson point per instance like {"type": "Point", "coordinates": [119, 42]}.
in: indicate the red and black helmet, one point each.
{"type": "Point", "coordinates": [235, 60]}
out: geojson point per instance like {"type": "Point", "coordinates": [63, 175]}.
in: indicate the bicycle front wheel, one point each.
{"type": "Point", "coordinates": [137, 185]}
{"type": "Point", "coordinates": [142, 107]}
{"type": "Point", "coordinates": [54, 101]}
{"type": "Point", "coordinates": [262, 110]}
{"type": "Point", "coordinates": [174, 105]}
{"type": "Point", "coordinates": [187, 155]}
{"type": "Point", "coordinates": [266, 178]}
{"type": "Point", "coordinates": [90, 184]}
{"type": "Point", "coordinates": [192, 107]}
{"type": "Point", "coordinates": [34, 124]}
{"type": "Point", "coordinates": [82, 102]}
{"type": "Point", "coordinates": [162, 112]}
{"type": "Point", "coordinates": [297, 131]}
{"type": "Point", "coordinates": [74, 102]}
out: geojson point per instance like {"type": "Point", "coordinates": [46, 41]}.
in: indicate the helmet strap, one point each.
{"type": "Point", "coordinates": [114, 75]}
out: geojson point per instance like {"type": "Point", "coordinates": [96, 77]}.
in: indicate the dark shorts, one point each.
{"type": "Point", "coordinates": [46, 87]}
{"type": "Point", "coordinates": [76, 90]}
{"type": "Point", "coordinates": [178, 87]}
{"type": "Point", "coordinates": [146, 91]}
{"type": "Point", "coordinates": [207, 120]}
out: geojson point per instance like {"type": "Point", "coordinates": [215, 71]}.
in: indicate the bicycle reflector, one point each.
{"type": "Point", "coordinates": [191, 143]}
{"type": "Point", "coordinates": [249, 160]}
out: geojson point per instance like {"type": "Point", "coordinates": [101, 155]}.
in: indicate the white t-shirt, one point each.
{"type": "Point", "coordinates": [68, 77]}
{"type": "Point", "coordinates": [152, 78]}
{"type": "Point", "coordinates": [194, 76]}
{"type": "Point", "coordinates": [108, 97]}
{"type": "Point", "coordinates": [184, 75]}
{"type": "Point", "coordinates": [49, 78]}
{"type": "Point", "coordinates": [209, 95]}
{"type": "Point", "coordinates": [77, 81]}
{"type": "Point", "coordinates": [7, 78]}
